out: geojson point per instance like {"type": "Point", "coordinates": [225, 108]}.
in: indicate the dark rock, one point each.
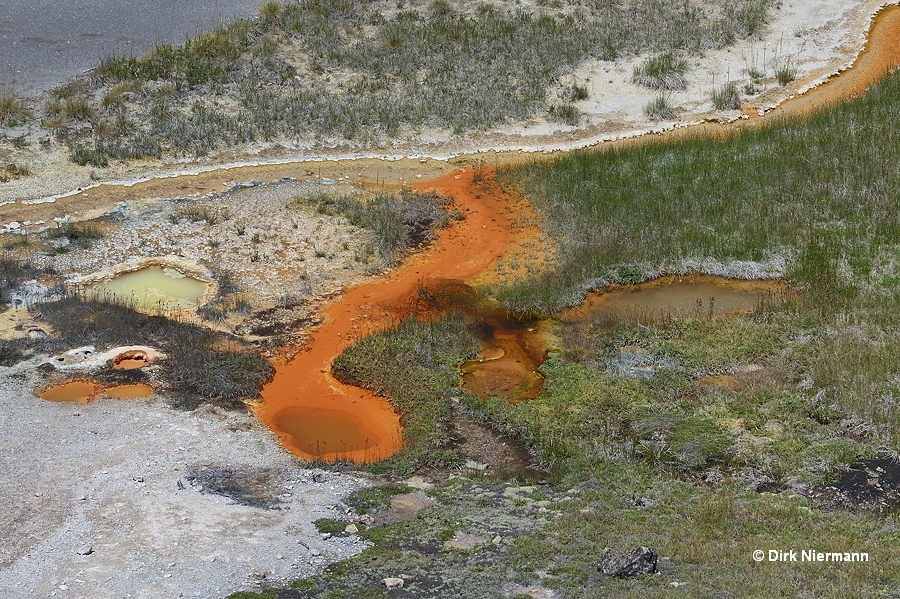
{"type": "Point", "coordinates": [639, 560]}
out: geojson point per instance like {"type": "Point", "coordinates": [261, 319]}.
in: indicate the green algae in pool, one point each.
{"type": "Point", "coordinates": [152, 288]}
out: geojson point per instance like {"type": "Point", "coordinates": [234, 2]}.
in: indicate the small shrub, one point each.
{"type": "Point", "coordinates": [77, 231]}
{"type": "Point", "coordinates": [785, 72]}
{"type": "Point", "coordinates": [565, 113]}
{"type": "Point", "coordinates": [664, 71]}
{"type": "Point", "coordinates": [660, 109]}
{"type": "Point", "coordinates": [83, 155]}
{"type": "Point", "coordinates": [726, 97]}
{"type": "Point", "coordinates": [575, 93]}
{"type": "Point", "coordinates": [12, 111]}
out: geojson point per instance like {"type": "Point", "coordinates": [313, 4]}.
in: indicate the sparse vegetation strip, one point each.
{"type": "Point", "coordinates": [339, 71]}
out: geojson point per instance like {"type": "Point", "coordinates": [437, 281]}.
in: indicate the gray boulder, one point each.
{"type": "Point", "coordinates": [640, 560]}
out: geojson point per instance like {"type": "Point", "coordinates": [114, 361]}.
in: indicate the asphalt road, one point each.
{"type": "Point", "coordinates": [45, 42]}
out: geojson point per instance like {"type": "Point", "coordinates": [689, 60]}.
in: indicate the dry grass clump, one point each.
{"type": "Point", "coordinates": [664, 71]}
{"type": "Point", "coordinates": [726, 97]}
{"type": "Point", "coordinates": [12, 110]}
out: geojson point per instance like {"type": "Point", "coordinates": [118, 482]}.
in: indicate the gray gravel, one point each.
{"type": "Point", "coordinates": [97, 501]}
{"type": "Point", "coordinates": [45, 42]}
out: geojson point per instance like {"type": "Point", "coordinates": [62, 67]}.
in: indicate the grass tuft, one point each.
{"type": "Point", "coordinates": [726, 97]}
{"type": "Point", "coordinates": [664, 72]}
{"type": "Point", "coordinates": [660, 108]}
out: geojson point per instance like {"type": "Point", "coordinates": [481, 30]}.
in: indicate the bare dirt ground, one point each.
{"type": "Point", "coordinates": [98, 501]}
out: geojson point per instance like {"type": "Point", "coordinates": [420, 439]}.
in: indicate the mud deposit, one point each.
{"type": "Point", "coordinates": [872, 484]}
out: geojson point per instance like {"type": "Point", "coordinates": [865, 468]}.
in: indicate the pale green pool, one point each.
{"type": "Point", "coordinates": [154, 288]}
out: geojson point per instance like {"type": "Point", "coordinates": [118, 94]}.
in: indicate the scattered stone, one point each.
{"type": "Point", "coordinates": [85, 550]}
{"type": "Point", "coordinates": [351, 528]}
{"type": "Point", "coordinates": [639, 560]}
{"type": "Point", "coordinates": [464, 541]}
{"type": "Point", "coordinates": [404, 507]}
{"type": "Point", "coordinates": [393, 583]}
{"type": "Point", "coordinates": [315, 552]}
{"type": "Point", "coordinates": [366, 519]}
{"type": "Point", "coordinates": [497, 540]}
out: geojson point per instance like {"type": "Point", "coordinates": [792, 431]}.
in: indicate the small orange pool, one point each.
{"type": "Point", "coordinates": [73, 391]}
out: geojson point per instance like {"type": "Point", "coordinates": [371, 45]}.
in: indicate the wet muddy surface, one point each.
{"type": "Point", "coordinates": [82, 391]}
{"type": "Point", "coordinates": [257, 488]}
{"type": "Point", "coordinates": [872, 483]}
{"type": "Point", "coordinates": [490, 454]}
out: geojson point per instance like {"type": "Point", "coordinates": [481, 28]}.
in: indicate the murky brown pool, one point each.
{"type": "Point", "coordinates": [513, 350]}
{"type": "Point", "coordinates": [73, 391]}
{"type": "Point", "coordinates": [691, 296]}
{"type": "Point", "coordinates": [87, 391]}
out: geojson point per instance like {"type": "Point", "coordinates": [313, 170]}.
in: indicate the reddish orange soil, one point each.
{"type": "Point", "coordinates": [304, 392]}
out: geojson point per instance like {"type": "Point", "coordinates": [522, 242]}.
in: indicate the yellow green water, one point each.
{"type": "Point", "coordinates": [154, 288]}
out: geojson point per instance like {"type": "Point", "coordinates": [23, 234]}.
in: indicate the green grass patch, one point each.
{"type": "Point", "coordinates": [660, 108]}
{"type": "Point", "coordinates": [375, 498]}
{"type": "Point", "coordinates": [427, 354]}
{"type": "Point", "coordinates": [663, 71]}
{"type": "Point", "coordinates": [726, 97]}
{"type": "Point", "coordinates": [819, 194]}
